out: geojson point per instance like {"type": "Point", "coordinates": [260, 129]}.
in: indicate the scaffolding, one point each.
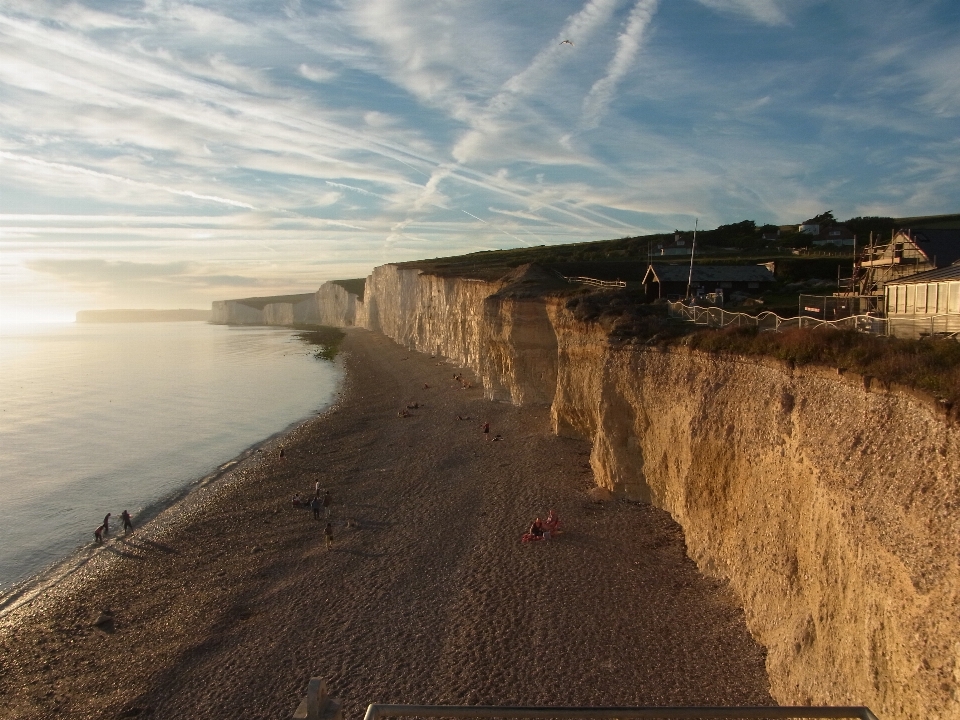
{"type": "Point", "coordinates": [880, 264]}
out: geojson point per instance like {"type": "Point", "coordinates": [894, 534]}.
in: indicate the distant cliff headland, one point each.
{"type": "Point", "coordinates": [827, 500]}
{"type": "Point", "coordinates": [141, 316]}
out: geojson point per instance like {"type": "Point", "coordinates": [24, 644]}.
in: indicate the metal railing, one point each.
{"type": "Point", "coordinates": [378, 711]}
{"type": "Point", "coordinates": [835, 307]}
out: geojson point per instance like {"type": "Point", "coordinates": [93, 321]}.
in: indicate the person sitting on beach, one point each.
{"type": "Point", "coordinates": [552, 523]}
{"type": "Point", "coordinates": [403, 413]}
{"type": "Point", "coordinates": [534, 533]}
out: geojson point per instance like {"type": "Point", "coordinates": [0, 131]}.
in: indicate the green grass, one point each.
{"type": "Point", "coordinates": [355, 286]}
{"type": "Point", "coordinates": [327, 339]}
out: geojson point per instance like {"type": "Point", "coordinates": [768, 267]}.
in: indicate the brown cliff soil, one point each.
{"type": "Point", "coordinates": [225, 606]}
{"type": "Point", "coordinates": [930, 365]}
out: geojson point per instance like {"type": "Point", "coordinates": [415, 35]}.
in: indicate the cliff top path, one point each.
{"type": "Point", "coordinates": [226, 604]}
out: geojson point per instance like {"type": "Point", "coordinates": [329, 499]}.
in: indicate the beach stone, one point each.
{"type": "Point", "coordinates": [599, 494]}
{"type": "Point", "coordinates": [104, 620]}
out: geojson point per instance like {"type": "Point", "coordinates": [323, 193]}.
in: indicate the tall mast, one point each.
{"type": "Point", "coordinates": [693, 249]}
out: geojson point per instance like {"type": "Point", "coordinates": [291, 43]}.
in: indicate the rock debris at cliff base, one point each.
{"type": "Point", "coordinates": [225, 607]}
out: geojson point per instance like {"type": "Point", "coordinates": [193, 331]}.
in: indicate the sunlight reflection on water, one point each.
{"type": "Point", "coordinates": [99, 418]}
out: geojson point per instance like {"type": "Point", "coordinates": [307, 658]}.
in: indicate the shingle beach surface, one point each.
{"type": "Point", "coordinates": [226, 604]}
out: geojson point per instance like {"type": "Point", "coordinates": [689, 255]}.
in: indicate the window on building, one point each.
{"type": "Point", "coordinates": [920, 305]}
{"type": "Point", "coordinates": [954, 306]}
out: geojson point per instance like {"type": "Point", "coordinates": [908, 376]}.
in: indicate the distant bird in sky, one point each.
{"type": "Point", "coordinates": [566, 42]}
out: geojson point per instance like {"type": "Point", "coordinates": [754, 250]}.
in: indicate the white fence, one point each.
{"type": "Point", "coordinates": [906, 328]}
{"type": "Point", "coordinates": [718, 317]}
{"type": "Point", "coordinates": [597, 283]}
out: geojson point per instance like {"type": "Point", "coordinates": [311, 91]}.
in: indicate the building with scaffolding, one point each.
{"type": "Point", "coordinates": [908, 253]}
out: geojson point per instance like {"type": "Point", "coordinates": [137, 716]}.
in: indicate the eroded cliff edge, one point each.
{"type": "Point", "coordinates": [829, 505]}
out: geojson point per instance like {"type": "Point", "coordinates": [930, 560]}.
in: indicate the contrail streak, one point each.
{"type": "Point", "coordinates": [628, 43]}
{"type": "Point", "coordinates": [496, 228]}
{"type": "Point", "coordinates": [119, 178]}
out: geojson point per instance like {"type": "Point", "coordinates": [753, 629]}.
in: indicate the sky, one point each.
{"type": "Point", "coordinates": [163, 154]}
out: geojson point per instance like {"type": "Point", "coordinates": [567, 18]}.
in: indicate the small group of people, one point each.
{"type": "Point", "coordinates": [316, 502]}
{"type": "Point", "coordinates": [321, 498]}
{"type": "Point", "coordinates": [542, 529]}
{"type": "Point", "coordinates": [104, 529]}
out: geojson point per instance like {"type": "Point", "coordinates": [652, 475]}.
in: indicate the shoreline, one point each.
{"type": "Point", "coordinates": [227, 605]}
{"type": "Point", "coordinates": [47, 578]}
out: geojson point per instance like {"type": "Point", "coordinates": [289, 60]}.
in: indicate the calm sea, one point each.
{"type": "Point", "coordinates": [98, 418]}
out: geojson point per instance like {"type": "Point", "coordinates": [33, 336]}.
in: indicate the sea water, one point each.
{"type": "Point", "coordinates": [98, 418]}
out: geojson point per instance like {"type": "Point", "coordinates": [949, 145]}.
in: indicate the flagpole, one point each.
{"type": "Point", "coordinates": [693, 249]}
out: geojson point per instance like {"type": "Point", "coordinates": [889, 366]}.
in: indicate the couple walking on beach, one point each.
{"type": "Point", "coordinates": [104, 529]}
{"type": "Point", "coordinates": [317, 502]}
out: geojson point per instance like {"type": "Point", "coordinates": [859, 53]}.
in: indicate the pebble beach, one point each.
{"type": "Point", "coordinates": [225, 604]}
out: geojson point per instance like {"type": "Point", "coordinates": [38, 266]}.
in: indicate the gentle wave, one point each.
{"type": "Point", "coordinates": [105, 417]}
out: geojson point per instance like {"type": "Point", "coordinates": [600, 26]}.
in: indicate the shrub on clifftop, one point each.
{"type": "Point", "coordinates": [930, 365]}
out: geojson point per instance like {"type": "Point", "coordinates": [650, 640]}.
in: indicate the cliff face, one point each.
{"type": "Point", "coordinates": [829, 505]}
{"type": "Point", "coordinates": [232, 312]}
{"type": "Point", "coordinates": [338, 308]}
{"type": "Point", "coordinates": [829, 508]}
{"type": "Point", "coordinates": [282, 310]}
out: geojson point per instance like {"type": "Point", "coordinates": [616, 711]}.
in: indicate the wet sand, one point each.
{"type": "Point", "coordinates": [227, 603]}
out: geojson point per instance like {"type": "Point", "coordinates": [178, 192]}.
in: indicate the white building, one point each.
{"type": "Point", "coordinates": [927, 303]}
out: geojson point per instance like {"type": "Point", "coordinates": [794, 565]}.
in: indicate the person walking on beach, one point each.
{"type": "Point", "coordinates": [328, 535]}
{"type": "Point", "coordinates": [486, 430]}
{"type": "Point", "coordinates": [127, 523]}
{"type": "Point", "coordinates": [327, 502]}
{"type": "Point", "coordinates": [315, 506]}
{"type": "Point", "coordinates": [106, 525]}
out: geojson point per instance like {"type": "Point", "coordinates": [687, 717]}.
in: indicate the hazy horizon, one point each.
{"type": "Point", "coordinates": [166, 154]}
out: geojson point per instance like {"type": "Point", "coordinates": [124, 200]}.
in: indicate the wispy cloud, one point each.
{"type": "Point", "coordinates": [316, 74]}
{"type": "Point", "coordinates": [768, 12]}
{"type": "Point", "coordinates": [304, 141]}
{"type": "Point", "coordinates": [73, 169]}
{"type": "Point", "coordinates": [597, 101]}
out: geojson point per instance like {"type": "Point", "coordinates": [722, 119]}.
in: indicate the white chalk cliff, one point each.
{"type": "Point", "coordinates": [830, 504]}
